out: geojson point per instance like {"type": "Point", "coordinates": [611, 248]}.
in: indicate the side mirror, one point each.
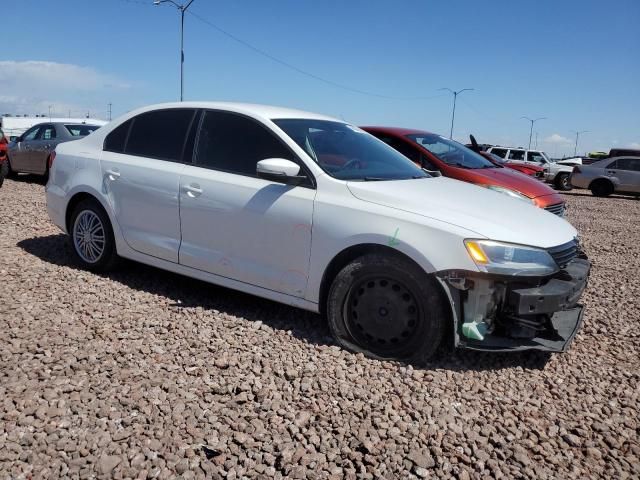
{"type": "Point", "coordinates": [279, 170]}
{"type": "Point", "coordinates": [433, 173]}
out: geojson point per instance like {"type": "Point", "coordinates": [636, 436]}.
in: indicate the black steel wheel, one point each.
{"type": "Point", "coordinates": [388, 308]}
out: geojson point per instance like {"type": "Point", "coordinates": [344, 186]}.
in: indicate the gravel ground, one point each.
{"type": "Point", "coordinates": [145, 374]}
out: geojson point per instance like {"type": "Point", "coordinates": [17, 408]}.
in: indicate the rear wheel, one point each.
{"type": "Point", "coordinates": [601, 188]}
{"type": "Point", "coordinates": [386, 307]}
{"type": "Point", "coordinates": [562, 182]}
{"type": "Point", "coordinates": [92, 237]}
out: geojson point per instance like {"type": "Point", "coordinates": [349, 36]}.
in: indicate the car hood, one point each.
{"type": "Point", "coordinates": [510, 178]}
{"type": "Point", "coordinates": [485, 213]}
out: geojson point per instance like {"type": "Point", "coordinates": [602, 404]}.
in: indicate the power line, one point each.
{"type": "Point", "coordinates": [300, 70]}
{"type": "Point", "coordinates": [290, 66]}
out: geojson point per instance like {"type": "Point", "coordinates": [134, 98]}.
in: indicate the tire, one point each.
{"type": "Point", "coordinates": [92, 240]}
{"type": "Point", "coordinates": [4, 170]}
{"type": "Point", "coordinates": [11, 173]}
{"type": "Point", "coordinates": [389, 288]}
{"type": "Point", "coordinates": [601, 188]}
{"type": "Point", "coordinates": [562, 182]}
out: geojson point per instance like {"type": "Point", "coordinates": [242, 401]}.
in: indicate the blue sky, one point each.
{"type": "Point", "coordinates": [575, 62]}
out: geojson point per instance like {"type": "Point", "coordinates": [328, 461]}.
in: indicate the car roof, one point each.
{"type": "Point", "coordinates": [607, 161]}
{"type": "Point", "coordinates": [265, 111]}
{"type": "Point", "coordinates": [398, 131]}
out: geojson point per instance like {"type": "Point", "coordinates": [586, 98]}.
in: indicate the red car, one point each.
{"type": "Point", "coordinates": [4, 164]}
{"type": "Point", "coordinates": [452, 159]}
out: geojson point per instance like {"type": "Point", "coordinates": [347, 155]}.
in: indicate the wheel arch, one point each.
{"type": "Point", "coordinates": [346, 256]}
{"type": "Point", "coordinates": [75, 199]}
{"type": "Point", "coordinates": [601, 180]}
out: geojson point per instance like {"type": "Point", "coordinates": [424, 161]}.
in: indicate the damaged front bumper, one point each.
{"type": "Point", "coordinates": [501, 313]}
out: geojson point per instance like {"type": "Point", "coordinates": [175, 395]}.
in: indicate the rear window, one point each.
{"type": "Point", "coordinates": [160, 134]}
{"type": "Point", "coordinates": [115, 141]}
{"type": "Point", "coordinates": [81, 130]}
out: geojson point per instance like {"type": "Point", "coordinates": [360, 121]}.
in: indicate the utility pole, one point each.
{"type": "Point", "coordinates": [455, 97]}
{"type": "Point", "coordinates": [109, 105]}
{"type": "Point", "coordinates": [50, 112]}
{"type": "Point", "coordinates": [575, 148]}
{"type": "Point", "coordinates": [181, 8]}
{"type": "Point", "coordinates": [532, 120]}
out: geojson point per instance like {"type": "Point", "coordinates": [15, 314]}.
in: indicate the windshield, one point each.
{"type": "Point", "coordinates": [81, 130]}
{"type": "Point", "coordinates": [348, 153]}
{"type": "Point", "coordinates": [450, 152]}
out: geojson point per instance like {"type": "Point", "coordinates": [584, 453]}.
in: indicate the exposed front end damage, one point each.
{"type": "Point", "coordinates": [512, 313]}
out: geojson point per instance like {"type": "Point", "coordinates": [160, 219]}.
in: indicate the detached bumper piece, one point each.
{"type": "Point", "coordinates": [544, 316]}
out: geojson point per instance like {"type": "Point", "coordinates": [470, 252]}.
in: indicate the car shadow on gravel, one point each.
{"type": "Point", "coordinates": [28, 178]}
{"type": "Point", "coordinates": [185, 292]}
{"type": "Point", "coordinates": [615, 196]}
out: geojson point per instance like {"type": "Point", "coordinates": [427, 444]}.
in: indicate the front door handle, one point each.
{"type": "Point", "coordinates": [193, 190]}
{"type": "Point", "coordinates": [113, 175]}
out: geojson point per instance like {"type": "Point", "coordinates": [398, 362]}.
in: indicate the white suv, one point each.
{"type": "Point", "coordinates": [313, 212]}
{"type": "Point", "coordinates": [556, 173]}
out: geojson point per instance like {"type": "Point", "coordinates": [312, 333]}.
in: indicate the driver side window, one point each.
{"type": "Point", "coordinates": [30, 134]}
{"type": "Point", "coordinates": [235, 144]}
{"type": "Point", "coordinates": [535, 157]}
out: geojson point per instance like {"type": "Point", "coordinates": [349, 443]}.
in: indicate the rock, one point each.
{"type": "Point", "coordinates": [107, 463]}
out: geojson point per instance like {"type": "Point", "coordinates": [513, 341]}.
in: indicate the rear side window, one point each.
{"type": "Point", "coordinates": [632, 164]}
{"type": "Point", "coordinates": [501, 152]}
{"type": "Point", "coordinates": [48, 132]}
{"type": "Point", "coordinates": [235, 144]}
{"type": "Point", "coordinates": [516, 155]}
{"type": "Point", "coordinates": [116, 139]}
{"type": "Point", "coordinates": [160, 134]}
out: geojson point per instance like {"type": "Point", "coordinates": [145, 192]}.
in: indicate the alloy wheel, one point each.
{"type": "Point", "coordinates": [89, 236]}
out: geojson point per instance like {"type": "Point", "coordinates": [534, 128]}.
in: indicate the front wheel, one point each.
{"type": "Point", "coordinates": [563, 182]}
{"type": "Point", "coordinates": [92, 237]}
{"type": "Point", "coordinates": [386, 307]}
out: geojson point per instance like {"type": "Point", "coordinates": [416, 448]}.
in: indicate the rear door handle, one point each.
{"type": "Point", "coordinates": [193, 190]}
{"type": "Point", "coordinates": [113, 175]}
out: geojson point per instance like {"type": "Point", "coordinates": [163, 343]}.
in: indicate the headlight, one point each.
{"type": "Point", "coordinates": [510, 259]}
{"type": "Point", "coordinates": [509, 192]}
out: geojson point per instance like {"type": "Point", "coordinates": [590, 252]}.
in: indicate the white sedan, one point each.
{"type": "Point", "coordinates": [313, 212]}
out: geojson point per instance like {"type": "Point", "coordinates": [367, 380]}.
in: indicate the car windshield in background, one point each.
{"type": "Point", "coordinates": [81, 130]}
{"type": "Point", "coordinates": [450, 152]}
{"type": "Point", "coordinates": [348, 153]}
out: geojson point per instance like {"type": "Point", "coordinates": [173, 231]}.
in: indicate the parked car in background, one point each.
{"type": "Point", "coordinates": [4, 165]}
{"type": "Point", "coordinates": [611, 175]}
{"type": "Point", "coordinates": [32, 151]}
{"type": "Point", "coordinates": [454, 160]}
{"type": "Point", "coordinates": [556, 173]}
{"type": "Point", "coordinates": [399, 259]}
{"type": "Point", "coordinates": [526, 168]}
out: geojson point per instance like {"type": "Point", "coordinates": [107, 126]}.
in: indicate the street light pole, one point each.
{"type": "Point", "coordinates": [532, 120]}
{"type": "Point", "coordinates": [182, 9]}
{"type": "Point", "coordinates": [575, 148]}
{"type": "Point", "coordinates": [455, 97]}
